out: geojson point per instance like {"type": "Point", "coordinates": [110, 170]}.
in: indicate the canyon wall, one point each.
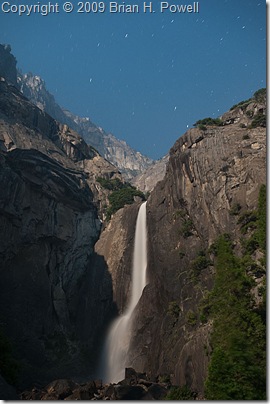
{"type": "Point", "coordinates": [211, 170]}
{"type": "Point", "coordinates": [51, 278]}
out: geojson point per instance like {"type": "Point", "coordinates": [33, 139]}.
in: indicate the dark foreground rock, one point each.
{"type": "Point", "coordinates": [135, 386]}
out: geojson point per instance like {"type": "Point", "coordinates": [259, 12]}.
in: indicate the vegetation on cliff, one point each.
{"type": "Point", "coordinates": [180, 393]}
{"type": "Point", "coordinates": [258, 96]}
{"type": "Point", "coordinates": [208, 121]}
{"type": "Point", "coordinates": [122, 194]}
{"type": "Point", "coordinates": [237, 369]}
{"type": "Point", "coordinates": [258, 117]}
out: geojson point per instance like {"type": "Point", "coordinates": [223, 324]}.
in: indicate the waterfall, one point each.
{"type": "Point", "coordinates": [117, 342]}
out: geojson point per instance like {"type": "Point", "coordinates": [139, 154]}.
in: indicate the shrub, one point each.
{"type": "Point", "coordinates": [261, 228]}
{"type": "Point", "coordinates": [191, 317]}
{"type": "Point", "coordinates": [260, 95]}
{"type": "Point", "coordinates": [259, 120]}
{"type": "Point", "coordinates": [250, 245]}
{"type": "Point", "coordinates": [164, 379]}
{"type": "Point", "coordinates": [241, 104]}
{"type": "Point", "coordinates": [208, 121]}
{"type": "Point", "coordinates": [119, 198]}
{"type": "Point", "coordinates": [247, 221]}
{"type": "Point", "coordinates": [179, 213]}
{"type": "Point", "coordinates": [174, 309]}
{"type": "Point", "coordinates": [180, 393]}
{"type": "Point", "coordinates": [204, 308]}
{"type": "Point", "coordinates": [187, 228]}
{"type": "Point", "coordinates": [200, 263]}
{"type": "Point", "coordinates": [235, 209]}
{"type": "Point", "coordinates": [111, 184]}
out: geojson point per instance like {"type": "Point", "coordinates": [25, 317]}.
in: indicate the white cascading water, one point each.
{"type": "Point", "coordinates": [117, 342]}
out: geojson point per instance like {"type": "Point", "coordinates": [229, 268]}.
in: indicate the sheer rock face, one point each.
{"type": "Point", "coordinates": [208, 173]}
{"type": "Point", "coordinates": [116, 246]}
{"type": "Point", "coordinates": [49, 222]}
{"type": "Point", "coordinates": [150, 177]}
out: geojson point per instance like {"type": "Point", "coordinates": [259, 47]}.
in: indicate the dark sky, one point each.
{"type": "Point", "coordinates": [145, 77]}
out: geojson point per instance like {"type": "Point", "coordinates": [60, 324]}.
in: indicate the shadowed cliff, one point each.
{"type": "Point", "coordinates": [52, 281]}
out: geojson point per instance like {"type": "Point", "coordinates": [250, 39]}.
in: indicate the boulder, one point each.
{"type": "Point", "coordinates": [127, 392]}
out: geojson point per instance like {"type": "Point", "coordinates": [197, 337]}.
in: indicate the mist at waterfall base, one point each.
{"type": "Point", "coordinates": [114, 354]}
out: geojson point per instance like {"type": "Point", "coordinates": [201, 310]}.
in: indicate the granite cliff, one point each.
{"type": "Point", "coordinates": [50, 209]}
{"type": "Point", "coordinates": [151, 176]}
{"type": "Point", "coordinates": [212, 183]}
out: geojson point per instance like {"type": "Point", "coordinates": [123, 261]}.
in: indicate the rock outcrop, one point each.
{"type": "Point", "coordinates": [116, 246]}
{"type": "Point", "coordinates": [51, 278]}
{"type": "Point", "coordinates": [147, 181]}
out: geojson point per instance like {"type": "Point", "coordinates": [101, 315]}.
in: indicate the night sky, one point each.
{"type": "Point", "coordinates": [145, 77]}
